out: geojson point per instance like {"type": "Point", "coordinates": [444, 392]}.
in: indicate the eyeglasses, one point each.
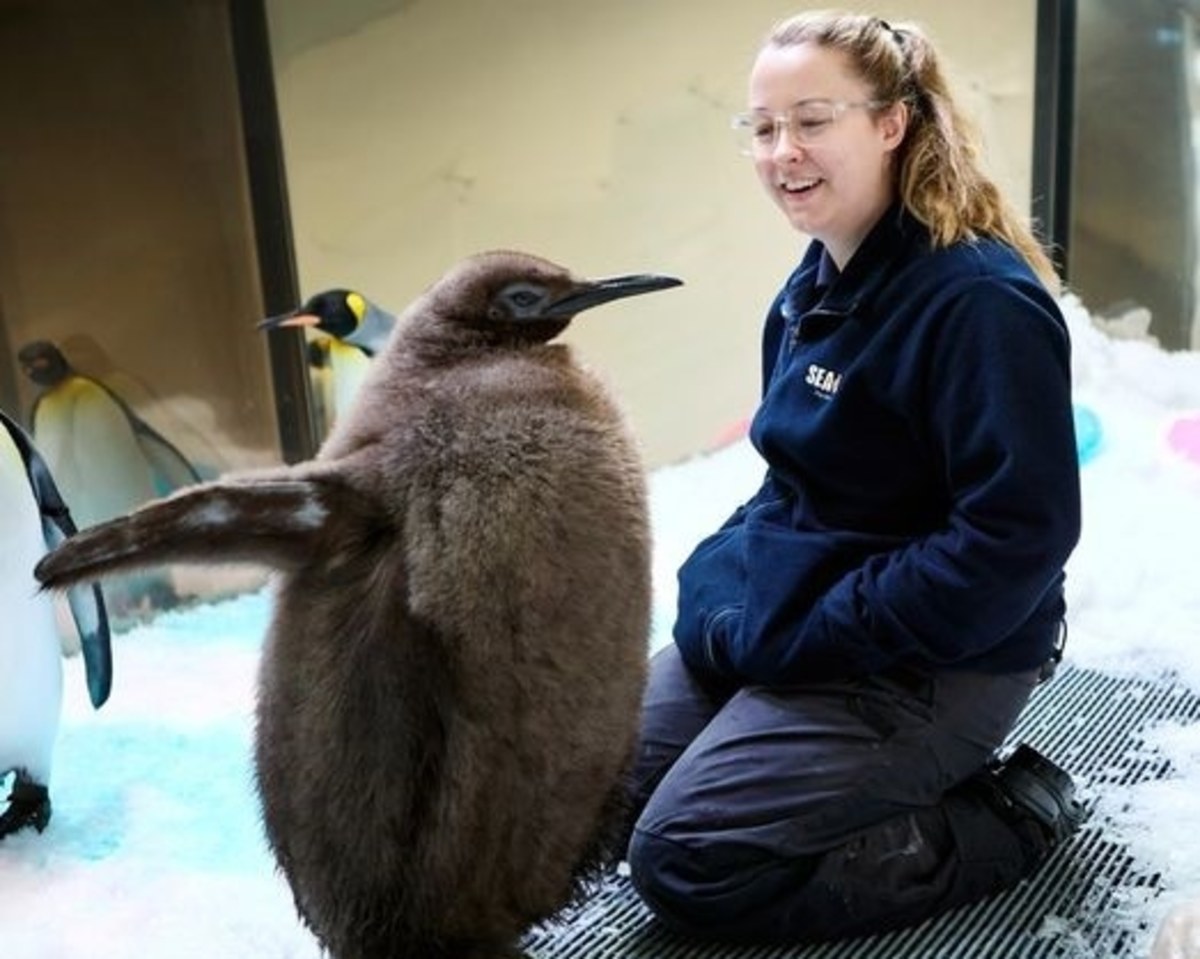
{"type": "Point", "coordinates": [758, 133]}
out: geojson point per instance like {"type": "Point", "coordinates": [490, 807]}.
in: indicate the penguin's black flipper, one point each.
{"type": "Point", "coordinates": [91, 619]}
{"type": "Point", "coordinates": [169, 468]}
{"type": "Point", "coordinates": [86, 602]}
{"type": "Point", "coordinates": [274, 521]}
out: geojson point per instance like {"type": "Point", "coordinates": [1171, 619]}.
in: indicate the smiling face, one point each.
{"type": "Point", "coordinates": [835, 187]}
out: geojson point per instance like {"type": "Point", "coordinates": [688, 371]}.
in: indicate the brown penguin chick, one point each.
{"type": "Point", "coordinates": [450, 687]}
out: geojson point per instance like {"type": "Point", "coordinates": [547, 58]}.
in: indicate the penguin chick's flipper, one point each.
{"type": "Point", "coordinates": [272, 521]}
{"type": "Point", "coordinates": [86, 602]}
{"type": "Point", "coordinates": [28, 805]}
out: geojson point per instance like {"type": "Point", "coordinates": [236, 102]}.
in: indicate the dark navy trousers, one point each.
{"type": "Point", "coordinates": [810, 812]}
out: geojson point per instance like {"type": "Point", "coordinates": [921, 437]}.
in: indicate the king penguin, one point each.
{"type": "Point", "coordinates": [449, 691]}
{"type": "Point", "coordinates": [33, 520]}
{"type": "Point", "coordinates": [104, 457]}
{"type": "Point", "coordinates": [355, 330]}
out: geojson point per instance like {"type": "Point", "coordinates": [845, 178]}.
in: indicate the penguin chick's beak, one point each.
{"type": "Point", "coordinates": [596, 292]}
{"type": "Point", "coordinates": [287, 320]}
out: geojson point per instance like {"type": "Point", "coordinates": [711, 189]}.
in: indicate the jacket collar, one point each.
{"type": "Point", "coordinates": [818, 283]}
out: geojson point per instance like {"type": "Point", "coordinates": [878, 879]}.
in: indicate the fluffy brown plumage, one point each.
{"type": "Point", "coordinates": [450, 686]}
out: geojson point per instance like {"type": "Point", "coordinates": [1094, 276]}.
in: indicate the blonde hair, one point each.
{"type": "Point", "coordinates": [940, 177]}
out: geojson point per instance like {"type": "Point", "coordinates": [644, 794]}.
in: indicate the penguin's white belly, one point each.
{"type": "Point", "coordinates": [30, 661]}
{"type": "Point", "coordinates": [89, 445]}
{"type": "Point", "coordinates": [350, 366]}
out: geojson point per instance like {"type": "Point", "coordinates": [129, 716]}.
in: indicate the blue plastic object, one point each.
{"type": "Point", "coordinates": [1088, 434]}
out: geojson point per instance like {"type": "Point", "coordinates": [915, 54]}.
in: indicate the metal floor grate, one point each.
{"type": "Point", "coordinates": [1089, 722]}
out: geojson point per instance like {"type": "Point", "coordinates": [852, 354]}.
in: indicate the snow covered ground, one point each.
{"type": "Point", "coordinates": [155, 846]}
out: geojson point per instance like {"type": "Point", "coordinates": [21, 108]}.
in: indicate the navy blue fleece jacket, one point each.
{"type": "Point", "coordinates": [922, 492]}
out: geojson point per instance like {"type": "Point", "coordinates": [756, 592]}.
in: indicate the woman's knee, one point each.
{"type": "Point", "coordinates": [710, 888]}
{"type": "Point", "coordinates": [675, 881]}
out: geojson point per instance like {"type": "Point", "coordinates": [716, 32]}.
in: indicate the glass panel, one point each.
{"type": "Point", "coordinates": [127, 256]}
{"type": "Point", "coordinates": [1132, 248]}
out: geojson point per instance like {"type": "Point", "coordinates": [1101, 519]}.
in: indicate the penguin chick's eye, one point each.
{"type": "Point", "coordinates": [519, 301]}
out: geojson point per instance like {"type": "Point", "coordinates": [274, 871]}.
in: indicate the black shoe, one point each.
{"type": "Point", "coordinates": [1033, 785]}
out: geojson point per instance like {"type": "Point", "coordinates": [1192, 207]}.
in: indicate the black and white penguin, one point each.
{"type": "Point", "coordinates": [450, 687]}
{"type": "Point", "coordinates": [105, 458]}
{"type": "Point", "coordinates": [35, 519]}
{"type": "Point", "coordinates": [354, 329]}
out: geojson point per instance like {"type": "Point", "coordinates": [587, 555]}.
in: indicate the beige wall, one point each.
{"type": "Point", "coordinates": [593, 133]}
